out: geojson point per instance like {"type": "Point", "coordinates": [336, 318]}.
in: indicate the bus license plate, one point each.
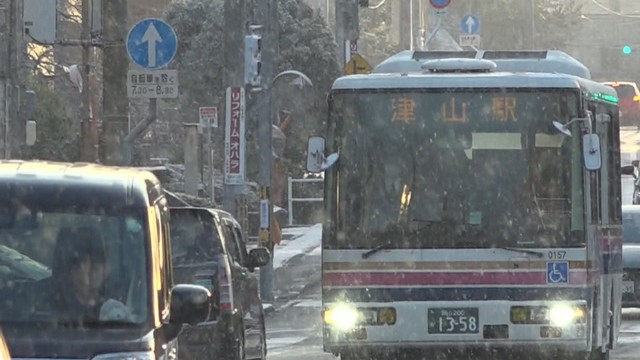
{"type": "Point", "coordinates": [627, 287]}
{"type": "Point", "coordinates": [453, 321]}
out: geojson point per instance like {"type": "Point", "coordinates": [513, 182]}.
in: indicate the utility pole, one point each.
{"type": "Point", "coordinates": [115, 104]}
{"type": "Point", "coordinates": [16, 124]}
{"type": "Point", "coordinates": [5, 38]}
{"type": "Point", "coordinates": [267, 11]}
{"type": "Point", "coordinates": [191, 159]}
{"type": "Point", "coordinates": [235, 15]}
{"type": "Point", "coordinates": [11, 46]}
{"type": "Point", "coordinates": [86, 135]}
{"type": "Point", "coordinates": [404, 26]}
{"type": "Point", "coordinates": [347, 27]}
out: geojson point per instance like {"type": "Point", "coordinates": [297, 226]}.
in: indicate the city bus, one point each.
{"type": "Point", "coordinates": [472, 204]}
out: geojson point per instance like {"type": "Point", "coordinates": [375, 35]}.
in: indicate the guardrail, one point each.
{"type": "Point", "coordinates": [291, 199]}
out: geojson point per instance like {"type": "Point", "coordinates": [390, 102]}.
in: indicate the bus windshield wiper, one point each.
{"type": "Point", "coordinates": [371, 252]}
{"type": "Point", "coordinates": [522, 251]}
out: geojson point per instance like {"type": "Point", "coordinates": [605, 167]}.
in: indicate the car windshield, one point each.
{"type": "Point", "coordinates": [71, 262]}
{"type": "Point", "coordinates": [631, 226]}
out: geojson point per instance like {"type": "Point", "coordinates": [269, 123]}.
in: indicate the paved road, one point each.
{"type": "Point", "coordinates": [295, 333]}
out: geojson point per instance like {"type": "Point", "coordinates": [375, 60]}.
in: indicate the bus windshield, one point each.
{"type": "Point", "coordinates": [469, 169]}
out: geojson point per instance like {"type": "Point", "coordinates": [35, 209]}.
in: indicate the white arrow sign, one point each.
{"type": "Point", "coordinates": [151, 36]}
{"type": "Point", "coordinates": [470, 23]}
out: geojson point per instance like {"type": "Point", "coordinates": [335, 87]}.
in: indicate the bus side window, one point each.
{"type": "Point", "coordinates": [613, 162]}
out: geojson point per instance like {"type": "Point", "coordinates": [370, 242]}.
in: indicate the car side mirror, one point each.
{"type": "Point", "coordinates": [259, 257]}
{"type": "Point", "coordinates": [190, 304]}
{"type": "Point", "coordinates": [629, 170]}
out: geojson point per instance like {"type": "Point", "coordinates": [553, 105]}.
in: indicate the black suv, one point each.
{"type": "Point", "coordinates": [209, 249]}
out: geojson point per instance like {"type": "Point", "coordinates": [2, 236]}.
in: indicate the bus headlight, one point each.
{"type": "Point", "coordinates": [563, 314]}
{"type": "Point", "coordinates": [343, 317]}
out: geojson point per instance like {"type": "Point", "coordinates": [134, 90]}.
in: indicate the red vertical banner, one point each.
{"type": "Point", "coordinates": [234, 145]}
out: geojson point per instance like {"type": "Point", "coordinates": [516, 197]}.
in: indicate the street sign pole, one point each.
{"type": "Point", "coordinates": [439, 22]}
{"type": "Point", "coordinates": [151, 44]}
{"type": "Point", "coordinates": [440, 6]}
{"type": "Point", "coordinates": [212, 172]}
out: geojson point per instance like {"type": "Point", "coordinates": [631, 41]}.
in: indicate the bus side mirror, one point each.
{"type": "Point", "coordinates": [629, 170]}
{"type": "Point", "coordinates": [591, 151]}
{"type": "Point", "coordinates": [316, 161]}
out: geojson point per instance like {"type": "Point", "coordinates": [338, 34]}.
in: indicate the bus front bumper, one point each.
{"type": "Point", "coordinates": [464, 325]}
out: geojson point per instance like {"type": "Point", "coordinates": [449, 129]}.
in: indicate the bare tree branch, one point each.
{"type": "Point", "coordinates": [71, 10]}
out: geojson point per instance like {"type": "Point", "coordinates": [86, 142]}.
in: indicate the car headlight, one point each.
{"type": "Point", "coordinates": [563, 314]}
{"type": "Point", "coordinates": [126, 356]}
{"type": "Point", "coordinates": [342, 316]}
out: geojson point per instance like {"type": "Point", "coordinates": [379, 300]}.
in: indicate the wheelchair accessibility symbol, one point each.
{"type": "Point", "coordinates": [557, 272]}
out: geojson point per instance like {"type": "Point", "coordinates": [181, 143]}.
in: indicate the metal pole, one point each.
{"type": "Point", "coordinates": [212, 177]}
{"type": "Point", "coordinates": [404, 27]}
{"type": "Point", "coordinates": [95, 136]}
{"type": "Point", "coordinates": [289, 199]}
{"type": "Point", "coordinates": [347, 27]}
{"type": "Point", "coordinates": [437, 28]}
{"type": "Point", "coordinates": [5, 39]}
{"type": "Point", "coordinates": [130, 138]}
{"type": "Point", "coordinates": [411, 24]}
{"type": "Point", "coordinates": [234, 32]}
{"type": "Point", "coordinates": [115, 104]}
{"type": "Point", "coordinates": [191, 159]}
{"type": "Point", "coordinates": [267, 11]}
{"type": "Point", "coordinates": [533, 24]}
{"type": "Point", "coordinates": [86, 138]}
{"type": "Point", "coordinates": [15, 126]}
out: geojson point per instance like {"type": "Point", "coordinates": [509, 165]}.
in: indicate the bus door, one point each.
{"type": "Point", "coordinates": [606, 215]}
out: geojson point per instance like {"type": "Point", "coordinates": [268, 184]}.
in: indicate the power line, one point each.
{"type": "Point", "coordinates": [379, 4]}
{"type": "Point", "coordinates": [611, 11]}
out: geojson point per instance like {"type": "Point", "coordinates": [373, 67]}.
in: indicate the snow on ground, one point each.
{"type": "Point", "coordinates": [302, 241]}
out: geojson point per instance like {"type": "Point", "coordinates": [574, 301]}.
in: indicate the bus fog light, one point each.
{"type": "Point", "coordinates": [387, 316]}
{"type": "Point", "coordinates": [519, 315]}
{"type": "Point", "coordinates": [343, 317]}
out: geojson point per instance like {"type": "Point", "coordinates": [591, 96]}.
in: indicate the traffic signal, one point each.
{"type": "Point", "coordinates": [626, 49]}
{"type": "Point", "coordinates": [252, 59]}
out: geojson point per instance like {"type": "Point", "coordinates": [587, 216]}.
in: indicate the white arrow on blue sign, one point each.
{"type": "Point", "coordinates": [470, 25]}
{"type": "Point", "coordinates": [152, 43]}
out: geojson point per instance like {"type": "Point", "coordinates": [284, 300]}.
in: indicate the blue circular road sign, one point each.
{"type": "Point", "coordinates": [470, 25]}
{"type": "Point", "coordinates": [440, 4]}
{"type": "Point", "coordinates": [152, 43]}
